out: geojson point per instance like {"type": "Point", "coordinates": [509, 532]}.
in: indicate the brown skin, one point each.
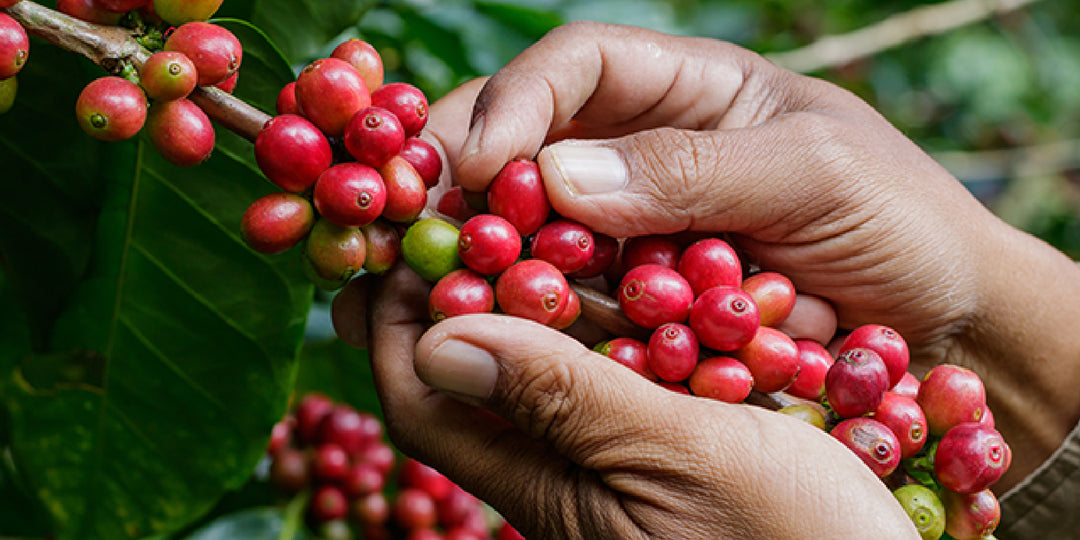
{"type": "Point", "coordinates": [815, 185]}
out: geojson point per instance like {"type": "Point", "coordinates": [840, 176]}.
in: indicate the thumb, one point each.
{"type": "Point", "coordinates": [667, 180]}
{"type": "Point", "coordinates": [545, 383]}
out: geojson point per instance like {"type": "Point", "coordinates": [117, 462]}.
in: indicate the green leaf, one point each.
{"type": "Point", "coordinates": [169, 348]}
{"type": "Point", "coordinates": [301, 28]}
{"type": "Point", "coordinates": [254, 524]}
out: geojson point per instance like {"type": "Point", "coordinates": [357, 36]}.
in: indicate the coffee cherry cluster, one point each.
{"type": "Point", "coordinates": [14, 51]}
{"type": "Point", "coordinates": [195, 53]}
{"type": "Point", "coordinates": [344, 149]}
{"type": "Point", "coordinates": [713, 333]}
{"type": "Point", "coordinates": [357, 483]}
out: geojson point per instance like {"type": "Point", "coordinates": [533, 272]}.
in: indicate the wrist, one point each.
{"type": "Point", "coordinates": [1021, 338]}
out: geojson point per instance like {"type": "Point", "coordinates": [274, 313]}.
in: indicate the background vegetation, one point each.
{"type": "Point", "coordinates": [145, 352]}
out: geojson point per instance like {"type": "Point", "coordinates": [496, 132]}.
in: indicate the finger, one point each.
{"type": "Point", "coordinates": [524, 479]}
{"type": "Point", "coordinates": [593, 411]}
{"type": "Point", "coordinates": [595, 80]}
{"type": "Point", "coordinates": [348, 311]}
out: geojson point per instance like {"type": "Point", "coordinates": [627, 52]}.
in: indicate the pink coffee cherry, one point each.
{"type": "Point", "coordinates": [168, 75]}
{"type": "Point", "coordinates": [774, 295]}
{"type": "Point", "coordinates": [605, 251]}
{"type": "Point", "coordinates": [628, 352]}
{"type": "Point", "coordinates": [909, 386]}
{"type": "Point", "coordinates": [970, 457]}
{"type": "Point", "coordinates": [110, 108]}
{"type": "Point", "coordinates": [773, 359]}
{"type": "Point", "coordinates": [673, 352]}
{"type": "Point", "coordinates": [951, 395]}
{"type": "Point", "coordinates": [885, 341]}
{"type": "Point", "coordinates": [14, 46]}
{"type": "Point", "coordinates": [488, 244]}
{"type": "Point", "coordinates": [286, 100]}
{"type": "Point", "coordinates": [180, 131]}
{"type": "Point", "coordinates": [276, 222]}
{"type": "Point", "coordinates": [374, 135]}
{"type": "Point", "coordinates": [650, 249]}
{"type": "Point", "coordinates": [329, 92]}
{"type": "Point", "coordinates": [406, 195]}
{"type": "Point", "coordinates": [458, 293]}
{"type": "Point", "coordinates": [651, 295]}
{"type": "Point", "coordinates": [724, 318]}
{"type": "Point", "coordinates": [710, 263]}
{"type": "Point", "coordinates": [214, 50]}
{"type": "Point", "coordinates": [407, 102]}
{"type": "Point", "coordinates": [677, 387]}
{"type": "Point", "coordinates": [814, 364]}
{"type": "Point", "coordinates": [292, 152]}
{"type": "Point", "coordinates": [532, 289]}
{"type": "Point", "coordinates": [906, 420]}
{"type": "Point", "coordinates": [517, 193]}
{"type": "Point", "coordinates": [971, 515]}
{"type": "Point", "coordinates": [856, 383]}
{"type": "Point", "coordinates": [350, 195]}
{"type": "Point", "coordinates": [424, 158]}
{"type": "Point", "coordinates": [872, 441]}
{"type": "Point", "coordinates": [564, 243]}
{"type": "Point", "coordinates": [722, 378]}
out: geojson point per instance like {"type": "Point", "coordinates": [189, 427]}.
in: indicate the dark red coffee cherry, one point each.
{"type": "Point", "coordinates": [517, 193]}
{"type": "Point", "coordinates": [424, 158]}
{"type": "Point", "coordinates": [121, 6]}
{"type": "Point", "coordinates": [374, 135]}
{"type": "Point", "coordinates": [292, 152]}
{"type": "Point", "coordinates": [350, 195]}
{"type": "Point", "coordinates": [286, 100]}
{"type": "Point", "coordinates": [564, 243]}
{"type": "Point", "coordinates": [651, 249]}
{"type": "Point", "coordinates": [407, 102]}
{"type": "Point", "coordinates": [856, 383]}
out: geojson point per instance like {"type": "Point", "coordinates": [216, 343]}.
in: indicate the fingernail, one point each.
{"type": "Point", "coordinates": [462, 368]}
{"type": "Point", "coordinates": [472, 141]}
{"type": "Point", "coordinates": [588, 169]}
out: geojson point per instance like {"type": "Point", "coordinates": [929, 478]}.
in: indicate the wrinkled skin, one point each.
{"type": "Point", "coordinates": [653, 134]}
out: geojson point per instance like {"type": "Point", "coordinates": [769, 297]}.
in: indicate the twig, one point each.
{"type": "Point", "coordinates": [838, 50]}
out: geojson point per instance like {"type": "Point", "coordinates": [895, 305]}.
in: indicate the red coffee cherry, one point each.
{"type": "Point", "coordinates": [971, 457]}
{"type": "Point", "coordinates": [488, 244]}
{"type": "Point", "coordinates": [276, 222]}
{"type": "Point", "coordinates": [407, 102]}
{"type": "Point", "coordinates": [424, 158]}
{"type": "Point", "coordinates": [724, 318]}
{"type": "Point", "coordinates": [605, 251]}
{"type": "Point", "coordinates": [329, 92]}
{"type": "Point", "coordinates": [213, 49]}
{"type": "Point", "coordinates": [872, 441]}
{"type": "Point", "coordinates": [383, 242]}
{"type": "Point", "coordinates": [517, 193]}
{"type": "Point", "coordinates": [651, 249]}
{"type": "Point", "coordinates": [121, 6]}
{"type": "Point", "coordinates": [710, 263]}
{"type": "Point", "coordinates": [532, 289]}
{"type": "Point", "coordinates": [228, 85]}
{"type": "Point", "coordinates": [722, 378]}
{"type": "Point", "coordinates": [971, 515]}
{"type": "Point", "coordinates": [673, 352]}
{"type": "Point", "coordinates": [373, 135]}
{"type": "Point", "coordinates": [362, 56]}
{"type": "Point", "coordinates": [772, 357]}
{"type": "Point", "coordinates": [292, 152]}
{"type": "Point", "coordinates": [570, 313]}
{"type": "Point", "coordinates": [406, 195]}
{"type": "Point", "coordinates": [564, 243]}
{"type": "Point", "coordinates": [168, 75]}
{"type": "Point", "coordinates": [87, 10]}
{"type": "Point", "coordinates": [111, 109]}
{"type": "Point", "coordinates": [628, 352]}
{"type": "Point", "coordinates": [814, 364]}
{"type": "Point", "coordinates": [350, 195]}
{"type": "Point", "coordinates": [333, 255]}
{"type": "Point", "coordinates": [181, 132]}
{"type": "Point", "coordinates": [651, 295]}
{"type": "Point", "coordinates": [856, 383]}
{"type": "Point", "coordinates": [774, 295]}
{"type": "Point", "coordinates": [951, 395]}
{"type": "Point", "coordinates": [452, 205]}
{"type": "Point", "coordinates": [906, 420]}
{"type": "Point", "coordinates": [885, 341]}
{"type": "Point", "coordinates": [458, 293]}
{"type": "Point", "coordinates": [286, 100]}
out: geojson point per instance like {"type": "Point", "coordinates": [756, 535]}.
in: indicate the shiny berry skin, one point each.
{"type": "Point", "coordinates": [407, 102]}
{"type": "Point", "coordinates": [406, 195]}
{"type": "Point", "coordinates": [350, 194]}
{"type": "Point", "coordinates": [111, 108]}
{"type": "Point", "coordinates": [87, 10]}
{"type": "Point", "coordinates": [371, 509]}
{"type": "Point", "coordinates": [885, 341]}
{"type": "Point", "coordinates": [872, 441]}
{"type": "Point", "coordinates": [488, 244]}
{"type": "Point", "coordinates": [424, 158]}
{"type": "Point", "coordinates": [345, 427]}
{"type": "Point", "coordinates": [292, 152]}
{"type": "Point", "coordinates": [168, 75]}
{"type": "Point", "coordinates": [362, 56]}
{"type": "Point", "coordinates": [724, 318]}
{"type": "Point", "coordinates": [605, 251]}
{"type": "Point", "coordinates": [214, 50]}
{"type": "Point", "coordinates": [229, 85]}
{"type": "Point", "coordinates": [628, 352]}
{"type": "Point", "coordinates": [286, 100]}
{"type": "Point", "coordinates": [181, 132]}
{"type": "Point", "coordinates": [328, 503]}
{"type": "Point", "coordinates": [362, 479]}
{"type": "Point", "coordinates": [414, 509]}
{"type": "Point", "coordinates": [329, 462]}
{"type": "Point", "coordinates": [564, 243]}
{"type": "Point", "coordinates": [651, 295]}
{"type": "Point", "coordinates": [951, 395]}
{"type": "Point", "coordinates": [329, 92]}
{"type": "Point", "coordinates": [924, 508]}
{"type": "Point", "coordinates": [280, 435]}
{"type": "Point", "coordinates": [458, 293]}
{"type": "Point", "coordinates": [721, 378]}
{"type": "Point", "coordinates": [14, 46]}
{"type": "Point", "coordinates": [276, 222]}
{"type": "Point", "coordinates": [906, 420]}
{"type": "Point", "coordinates": [333, 254]}
{"type": "Point", "coordinates": [379, 454]}
{"type": "Point", "coordinates": [508, 532]}
{"type": "Point", "coordinates": [383, 246]}
{"type": "Point", "coordinates": [177, 12]}
{"type": "Point", "coordinates": [856, 383]}
{"type": "Point", "coordinates": [814, 363]}
{"type": "Point", "coordinates": [310, 411]}
{"type": "Point", "coordinates": [455, 507]}
{"type": "Point", "coordinates": [673, 352]}
{"type": "Point", "coordinates": [452, 205]}
{"type": "Point", "coordinates": [532, 289]}
{"type": "Point", "coordinates": [121, 6]}
{"type": "Point", "coordinates": [772, 357]}
{"type": "Point", "coordinates": [650, 249]}
{"type": "Point", "coordinates": [970, 457]}
{"type": "Point", "coordinates": [430, 248]}
{"type": "Point", "coordinates": [909, 387]}
{"type": "Point", "coordinates": [774, 295]}
{"type": "Point", "coordinates": [517, 193]}
{"type": "Point", "coordinates": [373, 135]}
{"type": "Point", "coordinates": [970, 516]}
{"type": "Point", "coordinates": [710, 263]}
{"type": "Point", "coordinates": [570, 313]}
{"type": "Point", "coordinates": [418, 475]}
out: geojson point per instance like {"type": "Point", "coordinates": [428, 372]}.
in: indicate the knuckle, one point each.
{"type": "Point", "coordinates": [678, 166]}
